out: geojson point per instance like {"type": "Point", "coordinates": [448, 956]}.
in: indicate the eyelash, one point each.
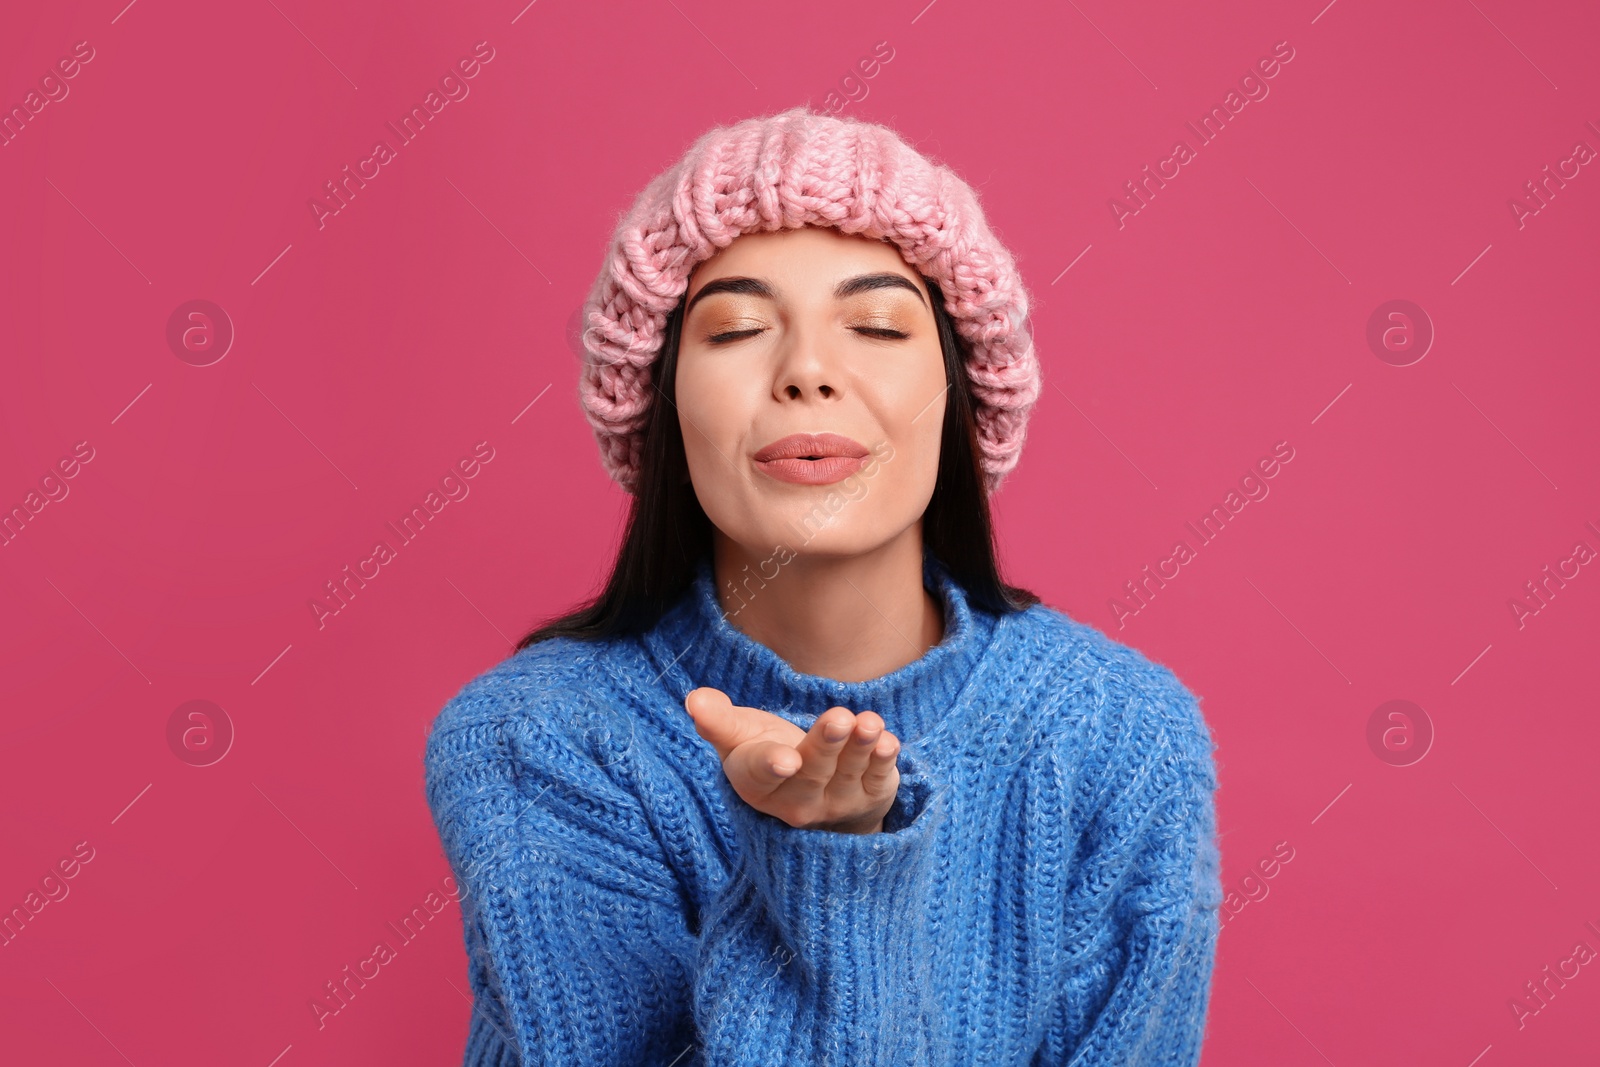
{"type": "Point", "coordinates": [881, 333]}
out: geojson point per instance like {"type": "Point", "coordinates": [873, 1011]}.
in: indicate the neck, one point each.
{"type": "Point", "coordinates": [851, 618]}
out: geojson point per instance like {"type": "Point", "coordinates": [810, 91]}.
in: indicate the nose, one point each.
{"type": "Point", "coordinates": [807, 368]}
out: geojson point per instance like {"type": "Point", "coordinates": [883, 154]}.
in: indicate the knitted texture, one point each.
{"type": "Point", "coordinates": [785, 171]}
{"type": "Point", "coordinates": [1045, 889]}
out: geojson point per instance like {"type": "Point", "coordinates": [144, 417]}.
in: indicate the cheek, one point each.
{"type": "Point", "coordinates": [715, 409]}
{"type": "Point", "coordinates": [916, 425]}
{"type": "Point", "coordinates": [901, 481]}
{"type": "Point", "coordinates": [920, 458]}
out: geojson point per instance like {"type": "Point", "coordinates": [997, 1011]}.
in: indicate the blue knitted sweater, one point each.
{"type": "Point", "coordinates": [1044, 891]}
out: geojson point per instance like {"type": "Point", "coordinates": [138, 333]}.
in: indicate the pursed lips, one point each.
{"type": "Point", "coordinates": [811, 459]}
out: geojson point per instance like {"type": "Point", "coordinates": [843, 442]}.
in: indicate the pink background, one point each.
{"type": "Point", "coordinates": [1227, 315]}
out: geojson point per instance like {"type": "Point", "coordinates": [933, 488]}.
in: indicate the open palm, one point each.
{"type": "Point", "coordinates": [840, 775]}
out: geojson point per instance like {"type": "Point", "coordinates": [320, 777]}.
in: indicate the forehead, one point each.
{"type": "Point", "coordinates": [811, 256]}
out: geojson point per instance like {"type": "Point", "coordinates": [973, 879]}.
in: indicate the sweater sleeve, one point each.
{"type": "Point", "coordinates": [578, 931]}
{"type": "Point", "coordinates": [576, 940]}
{"type": "Point", "coordinates": [1147, 919]}
{"type": "Point", "coordinates": [817, 952]}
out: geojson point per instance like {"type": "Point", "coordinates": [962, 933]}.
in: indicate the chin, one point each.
{"type": "Point", "coordinates": [853, 536]}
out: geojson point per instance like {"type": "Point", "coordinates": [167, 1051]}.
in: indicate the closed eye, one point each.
{"type": "Point", "coordinates": [721, 338]}
{"type": "Point", "coordinates": [881, 332]}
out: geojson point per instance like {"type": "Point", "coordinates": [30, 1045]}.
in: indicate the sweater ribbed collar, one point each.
{"type": "Point", "coordinates": [694, 644]}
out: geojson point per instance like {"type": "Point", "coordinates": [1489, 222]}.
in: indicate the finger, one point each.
{"type": "Point", "coordinates": [763, 765]}
{"type": "Point", "coordinates": [882, 774]}
{"type": "Point", "coordinates": [718, 719]}
{"type": "Point", "coordinates": [857, 751]}
{"type": "Point", "coordinates": [823, 743]}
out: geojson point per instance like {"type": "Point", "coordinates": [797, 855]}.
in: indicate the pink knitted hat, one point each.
{"type": "Point", "coordinates": [785, 171]}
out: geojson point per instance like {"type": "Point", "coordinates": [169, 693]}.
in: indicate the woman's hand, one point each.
{"type": "Point", "coordinates": [840, 776]}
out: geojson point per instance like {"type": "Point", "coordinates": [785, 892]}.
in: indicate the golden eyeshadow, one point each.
{"type": "Point", "coordinates": [722, 325]}
{"type": "Point", "coordinates": [723, 313]}
{"type": "Point", "coordinates": [882, 319]}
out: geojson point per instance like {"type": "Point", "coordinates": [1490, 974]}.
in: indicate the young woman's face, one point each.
{"type": "Point", "coordinates": [810, 331]}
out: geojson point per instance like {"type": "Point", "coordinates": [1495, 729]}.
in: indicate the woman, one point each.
{"type": "Point", "coordinates": [807, 783]}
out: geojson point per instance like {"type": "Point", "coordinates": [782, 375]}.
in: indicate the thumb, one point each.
{"type": "Point", "coordinates": [718, 719]}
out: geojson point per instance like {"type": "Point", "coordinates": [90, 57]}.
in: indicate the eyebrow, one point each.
{"type": "Point", "coordinates": [861, 283]}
